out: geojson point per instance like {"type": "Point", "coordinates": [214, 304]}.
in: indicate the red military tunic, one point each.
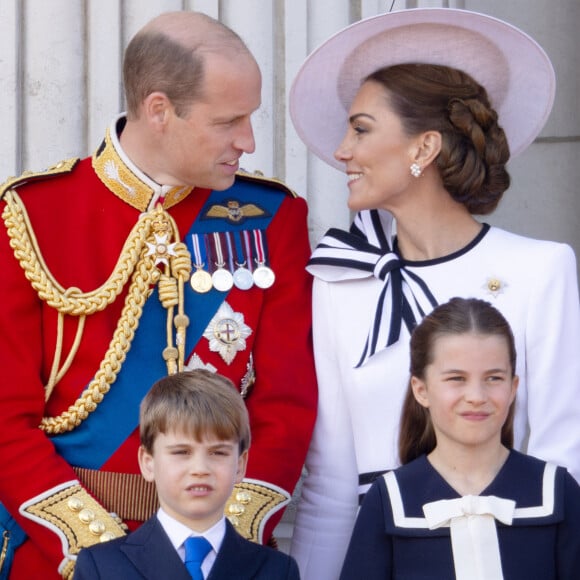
{"type": "Point", "coordinates": [81, 217]}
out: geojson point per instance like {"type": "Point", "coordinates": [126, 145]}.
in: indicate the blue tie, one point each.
{"type": "Point", "coordinates": [196, 549]}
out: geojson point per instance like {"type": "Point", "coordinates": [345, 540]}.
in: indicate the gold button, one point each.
{"type": "Point", "coordinates": [236, 509]}
{"type": "Point", "coordinates": [107, 537]}
{"type": "Point", "coordinates": [494, 285]}
{"type": "Point", "coordinates": [87, 516]}
{"type": "Point", "coordinates": [97, 527]}
{"type": "Point", "coordinates": [75, 504]}
{"type": "Point", "coordinates": [243, 497]}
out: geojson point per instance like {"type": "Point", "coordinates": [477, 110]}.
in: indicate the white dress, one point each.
{"type": "Point", "coordinates": [533, 283]}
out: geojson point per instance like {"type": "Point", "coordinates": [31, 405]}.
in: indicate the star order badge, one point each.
{"type": "Point", "coordinates": [227, 333]}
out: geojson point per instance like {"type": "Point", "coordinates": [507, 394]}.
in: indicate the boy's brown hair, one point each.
{"type": "Point", "coordinates": [198, 402]}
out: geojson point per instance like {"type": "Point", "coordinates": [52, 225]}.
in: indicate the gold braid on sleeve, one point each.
{"type": "Point", "coordinates": [147, 258]}
{"type": "Point", "coordinates": [251, 504]}
{"type": "Point", "coordinates": [76, 517]}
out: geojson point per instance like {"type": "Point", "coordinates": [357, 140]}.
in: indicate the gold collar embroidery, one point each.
{"type": "Point", "coordinates": [127, 182]}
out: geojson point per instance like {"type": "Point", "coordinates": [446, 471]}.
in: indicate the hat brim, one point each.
{"type": "Point", "coordinates": [513, 68]}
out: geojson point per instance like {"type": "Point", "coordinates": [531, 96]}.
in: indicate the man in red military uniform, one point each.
{"type": "Point", "coordinates": [154, 255]}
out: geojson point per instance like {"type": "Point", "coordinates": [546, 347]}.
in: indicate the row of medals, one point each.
{"type": "Point", "coordinates": [223, 280]}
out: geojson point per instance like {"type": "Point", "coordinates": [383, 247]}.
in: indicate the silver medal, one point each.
{"type": "Point", "coordinates": [222, 280]}
{"type": "Point", "coordinates": [243, 278]}
{"type": "Point", "coordinates": [264, 277]}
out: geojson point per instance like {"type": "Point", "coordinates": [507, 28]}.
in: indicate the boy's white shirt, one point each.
{"type": "Point", "coordinates": [178, 533]}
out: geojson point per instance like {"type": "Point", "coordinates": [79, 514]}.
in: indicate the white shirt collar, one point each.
{"type": "Point", "coordinates": [179, 532]}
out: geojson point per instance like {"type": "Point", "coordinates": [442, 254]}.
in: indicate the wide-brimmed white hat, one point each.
{"type": "Point", "coordinates": [513, 68]}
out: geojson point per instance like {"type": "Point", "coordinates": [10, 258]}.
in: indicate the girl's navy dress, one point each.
{"type": "Point", "coordinates": [392, 540]}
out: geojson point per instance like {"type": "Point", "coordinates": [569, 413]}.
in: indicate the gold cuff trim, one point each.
{"type": "Point", "coordinates": [75, 516]}
{"type": "Point", "coordinates": [67, 569]}
{"type": "Point", "coordinates": [250, 506]}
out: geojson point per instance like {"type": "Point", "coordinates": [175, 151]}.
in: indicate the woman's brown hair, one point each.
{"type": "Point", "coordinates": [474, 149]}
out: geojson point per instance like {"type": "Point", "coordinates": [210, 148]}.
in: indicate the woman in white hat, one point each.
{"type": "Point", "coordinates": [422, 109]}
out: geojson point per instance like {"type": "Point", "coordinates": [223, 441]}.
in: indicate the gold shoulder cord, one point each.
{"type": "Point", "coordinates": [145, 250]}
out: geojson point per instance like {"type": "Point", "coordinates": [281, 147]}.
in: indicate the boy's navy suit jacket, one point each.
{"type": "Point", "coordinates": [148, 553]}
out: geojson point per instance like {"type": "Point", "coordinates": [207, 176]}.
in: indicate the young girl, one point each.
{"type": "Point", "coordinates": [464, 505]}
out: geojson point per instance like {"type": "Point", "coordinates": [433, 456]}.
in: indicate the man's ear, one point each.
{"type": "Point", "coordinates": [157, 108]}
{"type": "Point", "coordinates": [419, 389]}
{"type": "Point", "coordinates": [146, 464]}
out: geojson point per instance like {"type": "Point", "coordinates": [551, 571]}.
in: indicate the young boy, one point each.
{"type": "Point", "coordinates": [195, 436]}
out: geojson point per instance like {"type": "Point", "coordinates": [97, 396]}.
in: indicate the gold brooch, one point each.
{"type": "Point", "coordinates": [495, 286]}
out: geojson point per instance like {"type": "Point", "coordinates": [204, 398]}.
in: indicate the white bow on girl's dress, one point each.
{"type": "Point", "coordinates": [473, 532]}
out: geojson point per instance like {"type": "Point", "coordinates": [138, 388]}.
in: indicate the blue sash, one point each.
{"type": "Point", "coordinates": [97, 438]}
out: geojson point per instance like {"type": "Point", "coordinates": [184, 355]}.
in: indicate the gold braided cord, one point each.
{"type": "Point", "coordinates": [70, 301]}
{"type": "Point", "coordinates": [139, 290]}
{"type": "Point", "coordinates": [138, 261]}
{"type": "Point", "coordinates": [74, 348]}
{"type": "Point", "coordinates": [181, 322]}
{"type": "Point", "coordinates": [168, 291]}
{"type": "Point", "coordinates": [56, 374]}
{"type": "Point", "coordinates": [171, 294]}
{"type": "Point", "coordinates": [181, 270]}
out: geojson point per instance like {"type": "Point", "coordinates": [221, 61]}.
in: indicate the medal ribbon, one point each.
{"type": "Point", "coordinates": [248, 248]}
{"type": "Point", "coordinates": [198, 251]}
{"type": "Point", "coordinates": [211, 252]}
{"type": "Point", "coordinates": [230, 253]}
{"type": "Point", "coordinates": [242, 274]}
{"type": "Point", "coordinates": [219, 255]}
{"type": "Point", "coordinates": [260, 247]}
{"type": "Point", "coordinates": [238, 248]}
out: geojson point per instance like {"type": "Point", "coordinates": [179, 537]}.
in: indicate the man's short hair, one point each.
{"type": "Point", "coordinates": [173, 61]}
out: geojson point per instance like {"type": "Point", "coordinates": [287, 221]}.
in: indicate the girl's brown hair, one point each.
{"type": "Point", "coordinates": [458, 316]}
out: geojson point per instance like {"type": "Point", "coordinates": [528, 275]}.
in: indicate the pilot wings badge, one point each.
{"type": "Point", "coordinates": [234, 212]}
